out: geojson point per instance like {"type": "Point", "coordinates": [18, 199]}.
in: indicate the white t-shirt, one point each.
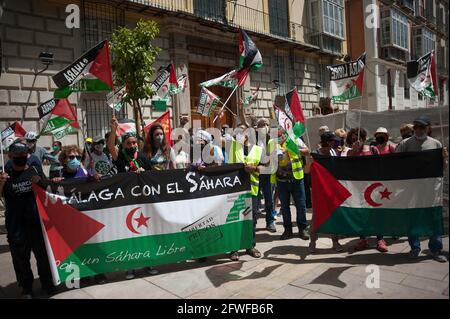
{"type": "Point", "coordinates": [160, 160]}
{"type": "Point", "coordinates": [102, 163]}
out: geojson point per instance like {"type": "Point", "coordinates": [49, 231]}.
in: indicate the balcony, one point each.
{"type": "Point", "coordinates": [228, 13]}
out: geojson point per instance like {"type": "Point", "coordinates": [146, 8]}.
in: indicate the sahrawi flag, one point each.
{"type": "Point", "coordinates": [293, 109]}
{"type": "Point", "coordinates": [58, 117]}
{"type": "Point", "coordinates": [114, 98]}
{"type": "Point", "coordinates": [288, 130]}
{"type": "Point", "coordinates": [422, 75]}
{"type": "Point", "coordinates": [395, 195]}
{"type": "Point", "coordinates": [89, 73]}
{"type": "Point", "coordinates": [347, 79]}
{"type": "Point", "coordinates": [207, 102]}
{"type": "Point", "coordinates": [166, 82]}
{"type": "Point", "coordinates": [250, 59]}
{"type": "Point", "coordinates": [11, 133]}
{"type": "Point", "coordinates": [132, 221]}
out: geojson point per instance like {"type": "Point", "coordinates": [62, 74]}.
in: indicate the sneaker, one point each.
{"type": "Point", "coordinates": [255, 253]}
{"type": "Point", "coordinates": [361, 245]}
{"type": "Point", "coordinates": [337, 247]}
{"type": "Point", "coordinates": [414, 253]}
{"type": "Point", "coordinates": [27, 293]}
{"type": "Point", "coordinates": [130, 275]}
{"type": "Point", "coordinates": [303, 234]}
{"type": "Point", "coordinates": [312, 247]}
{"type": "Point", "coordinates": [439, 257]}
{"type": "Point", "coordinates": [100, 279]}
{"type": "Point", "coordinates": [271, 228]}
{"type": "Point", "coordinates": [381, 246]}
{"type": "Point", "coordinates": [286, 235]}
{"type": "Point", "coordinates": [234, 256]}
{"type": "Point", "coordinates": [152, 271]}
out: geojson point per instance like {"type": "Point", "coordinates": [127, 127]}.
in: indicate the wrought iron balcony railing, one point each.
{"type": "Point", "coordinates": [229, 12]}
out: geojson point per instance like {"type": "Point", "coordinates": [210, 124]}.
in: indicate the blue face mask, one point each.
{"type": "Point", "coordinates": [74, 164]}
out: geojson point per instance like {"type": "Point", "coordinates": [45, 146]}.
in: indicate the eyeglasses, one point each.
{"type": "Point", "coordinates": [71, 157]}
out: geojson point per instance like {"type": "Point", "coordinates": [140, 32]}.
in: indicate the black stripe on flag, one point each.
{"type": "Point", "coordinates": [131, 188]}
{"type": "Point", "coordinates": [410, 165]}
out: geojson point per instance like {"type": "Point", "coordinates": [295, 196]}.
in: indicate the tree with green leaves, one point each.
{"type": "Point", "coordinates": [133, 56]}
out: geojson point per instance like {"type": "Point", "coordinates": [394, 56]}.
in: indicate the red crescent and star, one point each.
{"type": "Point", "coordinates": [142, 220]}
{"type": "Point", "coordinates": [370, 189]}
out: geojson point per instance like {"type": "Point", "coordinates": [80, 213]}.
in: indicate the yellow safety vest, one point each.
{"type": "Point", "coordinates": [272, 146]}
{"type": "Point", "coordinates": [297, 166]}
{"type": "Point", "coordinates": [236, 155]}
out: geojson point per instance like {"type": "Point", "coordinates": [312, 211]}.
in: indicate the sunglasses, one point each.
{"type": "Point", "coordinates": [71, 157]}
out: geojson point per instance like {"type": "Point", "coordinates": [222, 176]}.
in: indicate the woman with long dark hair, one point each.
{"type": "Point", "coordinates": [158, 150]}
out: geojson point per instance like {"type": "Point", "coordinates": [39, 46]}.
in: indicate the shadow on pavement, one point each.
{"type": "Point", "coordinates": [331, 277]}
{"type": "Point", "coordinates": [4, 249]}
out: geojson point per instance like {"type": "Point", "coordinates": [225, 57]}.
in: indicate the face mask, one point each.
{"type": "Point", "coordinates": [130, 151]}
{"type": "Point", "coordinates": [421, 137]}
{"type": "Point", "coordinates": [55, 148]}
{"type": "Point", "coordinates": [159, 138]}
{"type": "Point", "coordinates": [380, 139]}
{"type": "Point", "coordinates": [99, 147]}
{"type": "Point", "coordinates": [73, 164]}
{"type": "Point", "coordinates": [404, 137]}
{"type": "Point", "coordinates": [20, 161]}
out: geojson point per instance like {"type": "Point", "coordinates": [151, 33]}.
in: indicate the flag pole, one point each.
{"type": "Point", "coordinates": [3, 159]}
{"type": "Point", "coordinates": [224, 104]}
{"type": "Point", "coordinates": [228, 108]}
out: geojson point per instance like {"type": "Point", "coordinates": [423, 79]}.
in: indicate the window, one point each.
{"type": "Point", "coordinates": [424, 42]}
{"type": "Point", "coordinates": [406, 87]}
{"type": "Point", "coordinates": [419, 8]}
{"type": "Point", "coordinates": [98, 116]}
{"type": "Point", "coordinates": [210, 9]}
{"type": "Point", "coordinates": [279, 71]}
{"type": "Point", "coordinates": [333, 18]}
{"type": "Point", "coordinates": [279, 17]}
{"type": "Point", "coordinates": [395, 29]}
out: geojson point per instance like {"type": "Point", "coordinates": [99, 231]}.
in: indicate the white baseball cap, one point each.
{"type": "Point", "coordinates": [381, 130]}
{"type": "Point", "coordinates": [31, 136]}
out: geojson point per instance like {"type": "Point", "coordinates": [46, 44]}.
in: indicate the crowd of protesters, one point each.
{"type": "Point", "coordinates": [111, 154]}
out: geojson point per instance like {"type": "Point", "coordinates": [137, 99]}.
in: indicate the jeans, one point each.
{"type": "Point", "coordinates": [434, 243]}
{"type": "Point", "coordinates": [295, 188]}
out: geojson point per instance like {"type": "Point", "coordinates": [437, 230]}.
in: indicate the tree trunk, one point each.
{"type": "Point", "coordinates": [137, 120]}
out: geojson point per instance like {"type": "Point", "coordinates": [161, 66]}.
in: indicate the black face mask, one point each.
{"type": "Point", "coordinates": [380, 139]}
{"type": "Point", "coordinates": [130, 151]}
{"type": "Point", "coordinates": [404, 137]}
{"type": "Point", "coordinates": [20, 161]}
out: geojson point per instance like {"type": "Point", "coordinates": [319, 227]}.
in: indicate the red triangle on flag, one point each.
{"type": "Point", "coordinates": [327, 194]}
{"type": "Point", "coordinates": [164, 120]}
{"type": "Point", "coordinates": [67, 228]}
{"type": "Point", "coordinates": [172, 76]}
{"type": "Point", "coordinates": [359, 82]}
{"type": "Point", "coordinates": [19, 131]}
{"type": "Point", "coordinates": [64, 109]}
{"type": "Point", "coordinates": [101, 66]}
{"type": "Point", "coordinates": [296, 106]}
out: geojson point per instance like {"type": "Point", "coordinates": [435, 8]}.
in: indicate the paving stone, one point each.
{"type": "Point", "coordinates": [73, 294]}
{"type": "Point", "coordinates": [289, 292]}
{"type": "Point", "coordinates": [435, 286]}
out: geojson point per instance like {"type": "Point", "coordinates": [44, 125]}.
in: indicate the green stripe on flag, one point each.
{"type": "Point", "coordinates": [388, 222]}
{"type": "Point", "coordinates": [349, 94]}
{"type": "Point", "coordinates": [84, 85]}
{"type": "Point", "coordinates": [132, 253]}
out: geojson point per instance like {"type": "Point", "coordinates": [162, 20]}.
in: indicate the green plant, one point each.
{"type": "Point", "coordinates": [133, 56]}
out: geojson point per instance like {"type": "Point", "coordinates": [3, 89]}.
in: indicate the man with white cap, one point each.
{"type": "Point", "coordinates": [214, 156]}
{"type": "Point", "coordinates": [38, 151]}
{"type": "Point", "coordinates": [382, 142]}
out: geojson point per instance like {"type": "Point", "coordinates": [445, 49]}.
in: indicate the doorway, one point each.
{"type": "Point", "coordinates": [199, 73]}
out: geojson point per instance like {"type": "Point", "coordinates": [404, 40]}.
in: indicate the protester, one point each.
{"type": "Point", "coordinates": [97, 160]}
{"type": "Point", "coordinates": [358, 148]}
{"type": "Point", "coordinates": [406, 131]}
{"type": "Point", "coordinates": [24, 232]}
{"type": "Point", "coordinates": [323, 129]}
{"type": "Point", "coordinates": [267, 182]}
{"type": "Point", "coordinates": [241, 151]}
{"type": "Point", "coordinates": [182, 158]}
{"type": "Point", "coordinates": [56, 169]}
{"type": "Point", "coordinates": [339, 145]}
{"type": "Point", "coordinates": [161, 155]}
{"type": "Point", "coordinates": [383, 145]}
{"type": "Point", "coordinates": [420, 141]}
{"type": "Point", "coordinates": [70, 159]}
{"type": "Point", "coordinates": [32, 160]}
{"type": "Point", "coordinates": [87, 148]}
{"type": "Point", "coordinates": [290, 182]}
{"type": "Point", "coordinates": [38, 151]}
{"type": "Point", "coordinates": [211, 154]}
{"type": "Point", "coordinates": [327, 143]}
{"type": "Point", "coordinates": [127, 158]}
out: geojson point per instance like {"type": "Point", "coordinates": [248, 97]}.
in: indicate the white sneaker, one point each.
{"type": "Point", "coordinates": [130, 275]}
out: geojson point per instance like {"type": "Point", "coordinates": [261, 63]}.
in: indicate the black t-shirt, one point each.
{"type": "Point", "coordinates": [123, 165]}
{"type": "Point", "coordinates": [21, 210]}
